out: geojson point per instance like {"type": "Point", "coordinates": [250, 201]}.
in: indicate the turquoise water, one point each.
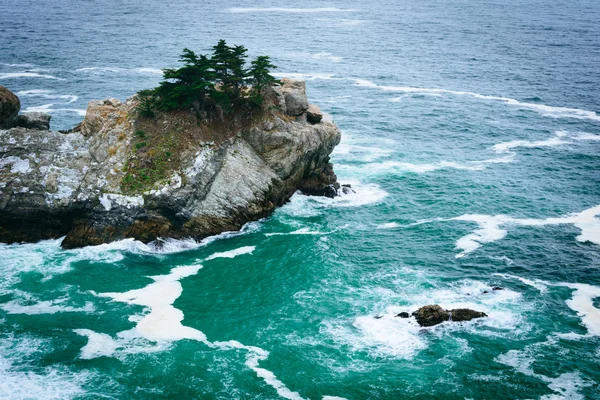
{"type": "Point", "coordinates": [471, 136]}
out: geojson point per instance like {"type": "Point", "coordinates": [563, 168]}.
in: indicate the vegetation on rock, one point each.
{"type": "Point", "coordinates": [205, 82]}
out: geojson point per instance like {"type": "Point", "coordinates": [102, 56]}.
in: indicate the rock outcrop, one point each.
{"type": "Point", "coordinates": [119, 175]}
{"type": "Point", "coordinates": [434, 314]}
{"type": "Point", "coordinates": [9, 107]}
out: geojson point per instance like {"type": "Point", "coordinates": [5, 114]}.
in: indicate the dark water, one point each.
{"type": "Point", "coordinates": [471, 135]}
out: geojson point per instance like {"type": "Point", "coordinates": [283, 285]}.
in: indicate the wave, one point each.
{"type": "Point", "coordinates": [305, 76]}
{"type": "Point", "coordinates": [551, 111]}
{"type": "Point", "coordinates": [44, 307]}
{"type": "Point", "coordinates": [23, 380]}
{"type": "Point", "coordinates": [582, 300]}
{"type": "Point", "coordinates": [327, 56]}
{"type": "Point", "coordinates": [238, 10]}
{"type": "Point", "coordinates": [493, 228]}
{"type": "Point", "coordinates": [556, 140]}
{"type": "Point", "coordinates": [47, 108]}
{"type": "Point", "coordinates": [16, 75]}
{"type": "Point", "coordinates": [102, 70]}
{"type": "Point", "coordinates": [565, 386]}
{"type": "Point", "coordinates": [47, 94]}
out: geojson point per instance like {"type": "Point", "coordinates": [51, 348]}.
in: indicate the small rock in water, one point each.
{"type": "Point", "coordinates": [465, 314]}
{"type": "Point", "coordinates": [485, 292]}
{"type": "Point", "coordinates": [378, 316]}
{"type": "Point", "coordinates": [497, 288]}
{"type": "Point", "coordinates": [403, 314]}
{"type": "Point", "coordinates": [434, 314]}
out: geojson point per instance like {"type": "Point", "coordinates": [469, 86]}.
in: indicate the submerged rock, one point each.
{"type": "Point", "coordinates": [403, 314]}
{"type": "Point", "coordinates": [434, 314]}
{"type": "Point", "coordinates": [119, 176]}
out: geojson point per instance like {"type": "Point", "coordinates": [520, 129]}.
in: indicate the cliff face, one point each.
{"type": "Point", "coordinates": [119, 175]}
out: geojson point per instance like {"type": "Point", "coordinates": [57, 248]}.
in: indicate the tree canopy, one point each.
{"type": "Point", "coordinates": [221, 79]}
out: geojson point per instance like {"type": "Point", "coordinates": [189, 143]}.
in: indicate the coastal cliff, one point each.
{"type": "Point", "coordinates": [119, 175]}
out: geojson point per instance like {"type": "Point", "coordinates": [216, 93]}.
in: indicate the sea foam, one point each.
{"type": "Point", "coordinates": [551, 111]}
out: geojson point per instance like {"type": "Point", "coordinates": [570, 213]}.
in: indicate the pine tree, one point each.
{"type": "Point", "coordinates": [259, 77]}
{"type": "Point", "coordinates": [187, 86]}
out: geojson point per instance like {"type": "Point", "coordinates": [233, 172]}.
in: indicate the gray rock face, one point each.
{"type": "Point", "coordinates": [294, 92]}
{"type": "Point", "coordinates": [434, 314]}
{"type": "Point", "coordinates": [9, 107]}
{"type": "Point", "coordinates": [121, 176]}
{"type": "Point", "coordinates": [314, 114]}
{"type": "Point", "coordinates": [33, 120]}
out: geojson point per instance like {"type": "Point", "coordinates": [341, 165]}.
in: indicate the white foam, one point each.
{"type": "Point", "coordinates": [147, 70]}
{"type": "Point", "coordinates": [232, 253]}
{"type": "Point", "coordinates": [538, 284]}
{"type": "Point", "coordinates": [304, 76]}
{"type": "Point", "coordinates": [327, 56]}
{"type": "Point", "coordinates": [552, 142]}
{"type": "Point", "coordinates": [360, 153]}
{"type": "Point", "coordinates": [586, 136]}
{"type": "Point", "coordinates": [391, 336]}
{"type": "Point", "coordinates": [16, 75]}
{"type": "Point", "coordinates": [23, 379]}
{"type": "Point", "coordinates": [489, 232]}
{"type": "Point", "coordinates": [47, 94]}
{"type": "Point", "coordinates": [551, 111]}
{"type": "Point", "coordinates": [45, 307]}
{"type": "Point", "coordinates": [565, 386]}
{"type": "Point", "coordinates": [490, 227]}
{"type": "Point", "coordinates": [287, 10]}
{"type": "Point", "coordinates": [388, 225]}
{"type": "Point", "coordinates": [47, 108]}
{"type": "Point", "coordinates": [582, 302]}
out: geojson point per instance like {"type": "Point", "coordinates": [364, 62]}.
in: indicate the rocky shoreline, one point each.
{"type": "Point", "coordinates": [117, 175]}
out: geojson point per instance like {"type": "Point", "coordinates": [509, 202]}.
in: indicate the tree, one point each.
{"type": "Point", "coordinates": [203, 81]}
{"type": "Point", "coordinates": [259, 77]}
{"type": "Point", "coordinates": [187, 86]}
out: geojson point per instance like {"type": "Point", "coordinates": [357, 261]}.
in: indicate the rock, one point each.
{"type": "Point", "coordinates": [485, 292]}
{"type": "Point", "coordinates": [314, 114]}
{"type": "Point", "coordinates": [294, 93]}
{"type": "Point", "coordinates": [465, 314]}
{"type": "Point", "coordinates": [34, 120]}
{"type": "Point", "coordinates": [378, 316]}
{"type": "Point", "coordinates": [497, 288]}
{"type": "Point", "coordinates": [434, 314]}
{"type": "Point", "coordinates": [431, 315]}
{"type": "Point", "coordinates": [403, 314]}
{"type": "Point", "coordinates": [9, 107]}
{"type": "Point", "coordinates": [100, 183]}
{"type": "Point", "coordinates": [320, 182]}
{"type": "Point", "coordinates": [347, 189]}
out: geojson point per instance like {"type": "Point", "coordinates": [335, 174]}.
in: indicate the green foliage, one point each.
{"type": "Point", "coordinates": [220, 80]}
{"type": "Point", "coordinates": [140, 145]}
{"type": "Point", "coordinates": [146, 107]}
{"type": "Point", "coordinates": [260, 77]}
{"type": "Point", "coordinates": [140, 133]}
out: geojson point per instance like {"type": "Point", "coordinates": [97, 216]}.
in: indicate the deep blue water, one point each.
{"type": "Point", "coordinates": [471, 134]}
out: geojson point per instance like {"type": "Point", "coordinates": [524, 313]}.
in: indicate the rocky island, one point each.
{"type": "Point", "coordinates": [120, 175]}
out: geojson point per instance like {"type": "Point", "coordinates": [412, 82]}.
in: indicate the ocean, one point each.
{"type": "Point", "coordinates": [471, 138]}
